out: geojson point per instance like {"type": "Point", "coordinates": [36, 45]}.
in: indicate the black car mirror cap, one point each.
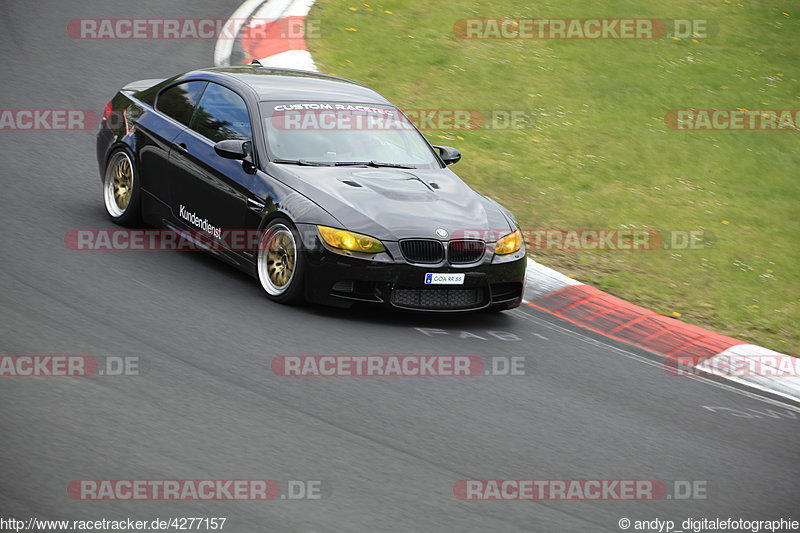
{"type": "Point", "coordinates": [233, 149]}
{"type": "Point", "coordinates": [449, 155]}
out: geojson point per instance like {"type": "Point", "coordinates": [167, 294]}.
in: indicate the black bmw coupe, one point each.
{"type": "Point", "coordinates": [347, 200]}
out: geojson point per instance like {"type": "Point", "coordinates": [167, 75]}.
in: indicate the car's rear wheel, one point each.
{"type": "Point", "coordinates": [280, 262]}
{"type": "Point", "coordinates": [121, 190]}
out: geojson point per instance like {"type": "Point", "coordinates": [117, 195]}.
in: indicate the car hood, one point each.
{"type": "Point", "coordinates": [393, 204]}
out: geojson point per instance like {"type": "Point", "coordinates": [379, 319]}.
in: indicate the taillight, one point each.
{"type": "Point", "coordinates": [107, 111]}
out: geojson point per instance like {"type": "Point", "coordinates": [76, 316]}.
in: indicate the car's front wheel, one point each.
{"type": "Point", "coordinates": [280, 262]}
{"type": "Point", "coordinates": [121, 190]}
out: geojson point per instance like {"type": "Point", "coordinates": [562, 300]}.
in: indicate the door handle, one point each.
{"type": "Point", "coordinates": [182, 149]}
{"type": "Point", "coordinates": [255, 205]}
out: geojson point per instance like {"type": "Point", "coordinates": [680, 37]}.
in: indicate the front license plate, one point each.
{"type": "Point", "coordinates": [444, 279]}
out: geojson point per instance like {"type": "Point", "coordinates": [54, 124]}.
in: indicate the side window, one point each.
{"type": "Point", "coordinates": [221, 115]}
{"type": "Point", "coordinates": [180, 100]}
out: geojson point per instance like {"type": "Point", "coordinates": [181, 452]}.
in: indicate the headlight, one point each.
{"type": "Point", "coordinates": [509, 244]}
{"type": "Point", "coordinates": [347, 240]}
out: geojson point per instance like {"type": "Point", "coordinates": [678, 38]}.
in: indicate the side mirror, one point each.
{"type": "Point", "coordinates": [233, 149]}
{"type": "Point", "coordinates": [449, 155]}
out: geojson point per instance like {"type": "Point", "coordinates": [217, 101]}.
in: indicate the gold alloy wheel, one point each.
{"type": "Point", "coordinates": [280, 260]}
{"type": "Point", "coordinates": [123, 183]}
{"type": "Point", "coordinates": [118, 184]}
{"type": "Point", "coordinates": [277, 259]}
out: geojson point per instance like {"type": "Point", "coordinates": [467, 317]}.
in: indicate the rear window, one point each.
{"type": "Point", "coordinates": [180, 100]}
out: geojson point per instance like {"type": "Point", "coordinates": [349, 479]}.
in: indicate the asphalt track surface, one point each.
{"type": "Point", "coordinates": [206, 404]}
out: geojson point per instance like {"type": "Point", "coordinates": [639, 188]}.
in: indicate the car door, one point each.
{"type": "Point", "coordinates": [209, 193]}
{"type": "Point", "coordinates": [174, 106]}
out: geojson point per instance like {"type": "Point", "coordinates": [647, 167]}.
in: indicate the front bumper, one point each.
{"type": "Point", "coordinates": [335, 279]}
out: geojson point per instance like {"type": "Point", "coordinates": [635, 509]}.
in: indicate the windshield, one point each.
{"type": "Point", "coordinates": [340, 134]}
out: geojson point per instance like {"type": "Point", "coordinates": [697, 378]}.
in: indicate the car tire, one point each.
{"type": "Point", "coordinates": [280, 262]}
{"type": "Point", "coordinates": [121, 189]}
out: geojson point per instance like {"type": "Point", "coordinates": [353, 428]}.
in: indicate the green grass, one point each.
{"type": "Point", "coordinates": [599, 154]}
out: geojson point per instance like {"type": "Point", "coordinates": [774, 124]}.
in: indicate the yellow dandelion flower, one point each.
{"type": "Point", "coordinates": [695, 41]}
{"type": "Point", "coordinates": [353, 8]}
{"type": "Point", "coordinates": [723, 86]}
{"type": "Point", "coordinates": [351, 29]}
{"type": "Point", "coordinates": [725, 222]}
{"type": "Point", "coordinates": [388, 12]}
{"type": "Point", "coordinates": [676, 38]}
{"type": "Point", "coordinates": [676, 314]}
{"type": "Point", "coordinates": [459, 137]}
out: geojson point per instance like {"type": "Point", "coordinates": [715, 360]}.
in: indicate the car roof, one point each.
{"type": "Point", "coordinates": [296, 85]}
